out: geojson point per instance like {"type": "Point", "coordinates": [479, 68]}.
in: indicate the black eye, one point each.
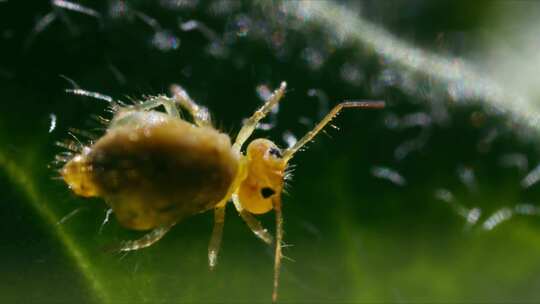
{"type": "Point", "coordinates": [275, 152]}
{"type": "Point", "coordinates": [267, 192]}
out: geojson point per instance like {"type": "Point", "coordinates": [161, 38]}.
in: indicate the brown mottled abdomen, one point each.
{"type": "Point", "coordinates": [153, 169]}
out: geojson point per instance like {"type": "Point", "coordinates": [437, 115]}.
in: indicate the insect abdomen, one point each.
{"type": "Point", "coordinates": [158, 171]}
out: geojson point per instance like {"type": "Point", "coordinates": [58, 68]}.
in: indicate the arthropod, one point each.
{"type": "Point", "coordinates": [154, 169]}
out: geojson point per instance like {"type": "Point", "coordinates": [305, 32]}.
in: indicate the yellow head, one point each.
{"type": "Point", "coordinates": [78, 175]}
{"type": "Point", "coordinates": [262, 187]}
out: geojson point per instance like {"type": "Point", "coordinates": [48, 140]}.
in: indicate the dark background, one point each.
{"type": "Point", "coordinates": [356, 237]}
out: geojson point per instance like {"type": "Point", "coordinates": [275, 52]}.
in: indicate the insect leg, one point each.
{"type": "Point", "coordinates": [278, 255]}
{"type": "Point", "coordinates": [217, 233]}
{"type": "Point", "coordinates": [157, 101]}
{"type": "Point", "coordinates": [200, 114]}
{"type": "Point", "coordinates": [287, 155]}
{"type": "Point", "coordinates": [252, 222]}
{"type": "Point", "coordinates": [250, 125]}
{"type": "Point", "coordinates": [147, 240]}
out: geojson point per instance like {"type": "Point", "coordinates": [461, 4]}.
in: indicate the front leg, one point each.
{"type": "Point", "coordinates": [252, 222]}
{"type": "Point", "coordinates": [250, 125]}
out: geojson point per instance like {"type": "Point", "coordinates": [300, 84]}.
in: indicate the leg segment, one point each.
{"type": "Point", "coordinates": [252, 222]}
{"type": "Point", "coordinates": [147, 240]}
{"type": "Point", "coordinates": [105, 220]}
{"type": "Point", "coordinates": [278, 255]}
{"type": "Point", "coordinates": [251, 123]}
{"type": "Point", "coordinates": [200, 115]}
{"type": "Point", "coordinates": [217, 233]}
{"type": "Point", "coordinates": [335, 111]}
{"type": "Point", "coordinates": [157, 101]}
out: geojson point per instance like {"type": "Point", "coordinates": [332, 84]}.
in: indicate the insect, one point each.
{"type": "Point", "coordinates": [154, 169]}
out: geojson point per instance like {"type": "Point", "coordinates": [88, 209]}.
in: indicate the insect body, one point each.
{"type": "Point", "coordinates": [154, 169]}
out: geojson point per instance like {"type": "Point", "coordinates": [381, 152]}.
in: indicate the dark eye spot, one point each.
{"type": "Point", "coordinates": [275, 152]}
{"type": "Point", "coordinates": [266, 192]}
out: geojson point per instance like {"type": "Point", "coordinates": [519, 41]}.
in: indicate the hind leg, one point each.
{"type": "Point", "coordinates": [200, 114]}
{"type": "Point", "coordinates": [157, 101]}
{"type": "Point", "coordinates": [147, 240]}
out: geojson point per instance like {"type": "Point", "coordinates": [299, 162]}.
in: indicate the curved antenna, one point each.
{"type": "Point", "coordinates": [288, 154]}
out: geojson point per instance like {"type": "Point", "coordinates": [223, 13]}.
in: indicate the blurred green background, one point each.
{"type": "Point", "coordinates": [407, 204]}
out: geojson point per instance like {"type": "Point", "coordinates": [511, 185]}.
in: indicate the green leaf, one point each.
{"type": "Point", "coordinates": [384, 211]}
